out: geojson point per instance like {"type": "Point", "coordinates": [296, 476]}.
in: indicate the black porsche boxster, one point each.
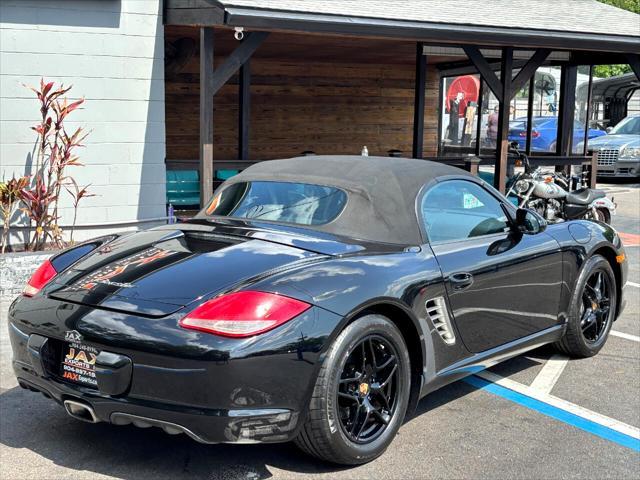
{"type": "Point", "coordinates": [315, 299]}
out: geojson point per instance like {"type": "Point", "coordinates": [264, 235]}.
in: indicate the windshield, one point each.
{"type": "Point", "coordinates": [298, 203]}
{"type": "Point", "coordinates": [628, 126]}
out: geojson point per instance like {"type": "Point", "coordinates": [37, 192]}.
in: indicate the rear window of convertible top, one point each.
{"type": "Point", "coordinates": [298, 203]}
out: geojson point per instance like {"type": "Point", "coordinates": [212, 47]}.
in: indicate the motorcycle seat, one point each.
{"type": "Point", "coordinates": [584, 196]}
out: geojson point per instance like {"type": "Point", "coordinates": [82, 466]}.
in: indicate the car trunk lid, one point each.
{"type": "Point", "coordinates": [157, 272]}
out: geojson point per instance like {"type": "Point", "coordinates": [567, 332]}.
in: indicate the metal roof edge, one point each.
{"type": "Point", "coordinates": [428, 31]}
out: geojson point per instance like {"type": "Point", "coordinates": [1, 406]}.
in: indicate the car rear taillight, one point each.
{"type": "Point", "coordinates": [39, 279]}
{"type": "Point", "coordinates": [534, 134]}
{"type": "Point", "coordinates": [243, 314]}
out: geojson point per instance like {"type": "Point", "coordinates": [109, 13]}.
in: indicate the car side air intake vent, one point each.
{"type": "Point", "coordinates": [439, 316]}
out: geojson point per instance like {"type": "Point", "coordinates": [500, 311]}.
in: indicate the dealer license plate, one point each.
{"type": "Point", "coordinates": [78, 364]}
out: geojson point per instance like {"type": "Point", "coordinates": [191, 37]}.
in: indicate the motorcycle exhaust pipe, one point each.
{"type": "Point", "coordinates": [80, 411]}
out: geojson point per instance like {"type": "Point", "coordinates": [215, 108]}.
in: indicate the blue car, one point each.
{"type": "Point", "coordinates": [545, 132]}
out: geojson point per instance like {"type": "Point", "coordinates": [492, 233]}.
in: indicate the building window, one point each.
{"type": "Point", "coordinates": [459, 115]}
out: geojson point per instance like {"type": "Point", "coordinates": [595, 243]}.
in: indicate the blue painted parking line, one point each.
{"type": "Point", "coordinates": [556, 413]}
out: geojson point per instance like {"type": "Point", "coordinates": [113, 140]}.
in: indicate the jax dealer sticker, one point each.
{"type": "Point", "coordinates": [79, 364]}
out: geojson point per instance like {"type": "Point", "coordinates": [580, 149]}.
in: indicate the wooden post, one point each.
{"type": "Point", "coordinates": [206, 115]}
{"type": "Point", "coordinates": [585, 138]}
{"type": "Point", "coordinates": [472, 164]}
{"type": "Point", "coordinates": [502, 144]}
{"type": "Point", "coordinates": [418, 102]}
{"type": "Point", "coordinates": [532, 88]}
{"type": "Point", "coordinates": [593, 174]}
{"type": "Point", "coordinates": [479, 119]}
{"type": "Point", "coordinates": [244, 110]}
{"type": "Point", "coordinates": [566, 111]}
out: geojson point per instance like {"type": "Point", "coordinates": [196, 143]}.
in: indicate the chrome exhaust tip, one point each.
{"type": "Point", "coordinates": [80, 411]}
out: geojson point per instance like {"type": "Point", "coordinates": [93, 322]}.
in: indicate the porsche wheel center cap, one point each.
{"type": "Point", "coordinates": [363, 389]}
{"type": "Point", "coordinates": [594, 306]}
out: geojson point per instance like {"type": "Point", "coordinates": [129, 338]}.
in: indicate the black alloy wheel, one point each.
{"type": "Point", "coordinates": [361, 394]}
{"type": "Point", "coordinates": [592, 310]}
{"type": "Point", "coordinates": [596, 305]}
{"type": "Point", "coordinates": [367, 389]}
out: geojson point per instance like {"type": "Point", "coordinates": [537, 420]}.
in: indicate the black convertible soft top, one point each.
{"type": "Point", "coordinates": [381, 191]}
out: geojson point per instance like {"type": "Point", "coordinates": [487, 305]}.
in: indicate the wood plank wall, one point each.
{"type": "Point", "coordinates": [326, 107]}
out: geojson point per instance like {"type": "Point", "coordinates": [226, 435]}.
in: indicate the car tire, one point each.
{"type": "Point", "coordinates": [328, 432]}
{"type": "Point", "coordinates": [586, 333]}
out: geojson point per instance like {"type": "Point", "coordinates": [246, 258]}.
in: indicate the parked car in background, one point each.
{"type": "Point", "coordinates": [619, 152]}
{"type": "Point", "coordinates": [545, 132]}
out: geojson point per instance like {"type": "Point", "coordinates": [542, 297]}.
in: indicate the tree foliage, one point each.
{"type": "Point", "coordinates": [613, 70]}
{"type": "Point", "coordinates": [605, 71]}
{"type": "Point", "coordinates": [631, 5]}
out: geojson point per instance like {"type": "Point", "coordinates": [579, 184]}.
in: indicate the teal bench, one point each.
{"type": "Point", "coordinates": [226, 174]}
{"type": "Point", "coordinates": [488, 177]}
{"type": "Point", "coordinates": [183, 186]}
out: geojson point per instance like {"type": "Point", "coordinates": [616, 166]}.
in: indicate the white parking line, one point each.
{"type": "Point", "coordinates": [628, 336]}
{"type": "Point", "coordinates": [633, 284]}
{"type": "Point", "coordinates": [562, 404]}
{"type": "Point", "coordinates": [550, 373]}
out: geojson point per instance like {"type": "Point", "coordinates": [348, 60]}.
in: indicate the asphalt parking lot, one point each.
{"type": "Point", "coordinates": [535, 416]}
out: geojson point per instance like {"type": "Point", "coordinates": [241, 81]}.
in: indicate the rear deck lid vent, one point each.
{"type": "Point", "coordinates": [439, 316]}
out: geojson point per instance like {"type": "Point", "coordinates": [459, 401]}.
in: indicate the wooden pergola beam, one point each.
{"type": "Point", "coordinates": [529, 69]}
{"type": "Point", "coordinates": [634, 63]}
{"type": "Point", "coordinates": [503, 89]}
{"type": "Point", "coordinates": [418, 102]}
{"type": "Point", "coordinates": [485, 70]}
{"type": "Point", "coordinates": [238, 57]}
{"type": "Point", "coordinates": [210, 82]}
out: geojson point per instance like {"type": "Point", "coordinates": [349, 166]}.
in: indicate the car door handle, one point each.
{"type": "Point", "coordinates": [460, 281]}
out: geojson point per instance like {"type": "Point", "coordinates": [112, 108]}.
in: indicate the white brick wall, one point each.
{"type": "Point", "coordinates": [112, 52]}
{"type": "Point", "coordinates": [15, 271]}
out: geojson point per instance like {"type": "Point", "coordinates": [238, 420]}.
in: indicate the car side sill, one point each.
{"type": "Point", "coordinates": [483, 360]}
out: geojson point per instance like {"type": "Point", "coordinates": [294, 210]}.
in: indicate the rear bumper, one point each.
{"type": "Point", "coordinates": [256, 391]}
{"type": "Point", "coordinates": [205, 426]}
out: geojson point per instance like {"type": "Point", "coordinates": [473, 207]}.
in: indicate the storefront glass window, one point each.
{"type": "Point", "coordinates": [546, 99]}
{"type": "Point", "coordinates": [489, 123]}
{"type": "Point", "coordinates": [459, 115]}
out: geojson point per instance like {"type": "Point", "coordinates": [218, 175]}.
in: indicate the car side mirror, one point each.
{"type": "Point", "coordinates": [609, 129]}
{"type": "Point", "coordinates": [529, 222]}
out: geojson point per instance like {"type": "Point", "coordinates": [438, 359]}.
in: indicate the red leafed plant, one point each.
{"type": "Point", "coordinates": [77, 194]}
{"type": "Point", "coordinates": [56, 151]}
{"type": "Point", "coordinates": [10, 196]}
